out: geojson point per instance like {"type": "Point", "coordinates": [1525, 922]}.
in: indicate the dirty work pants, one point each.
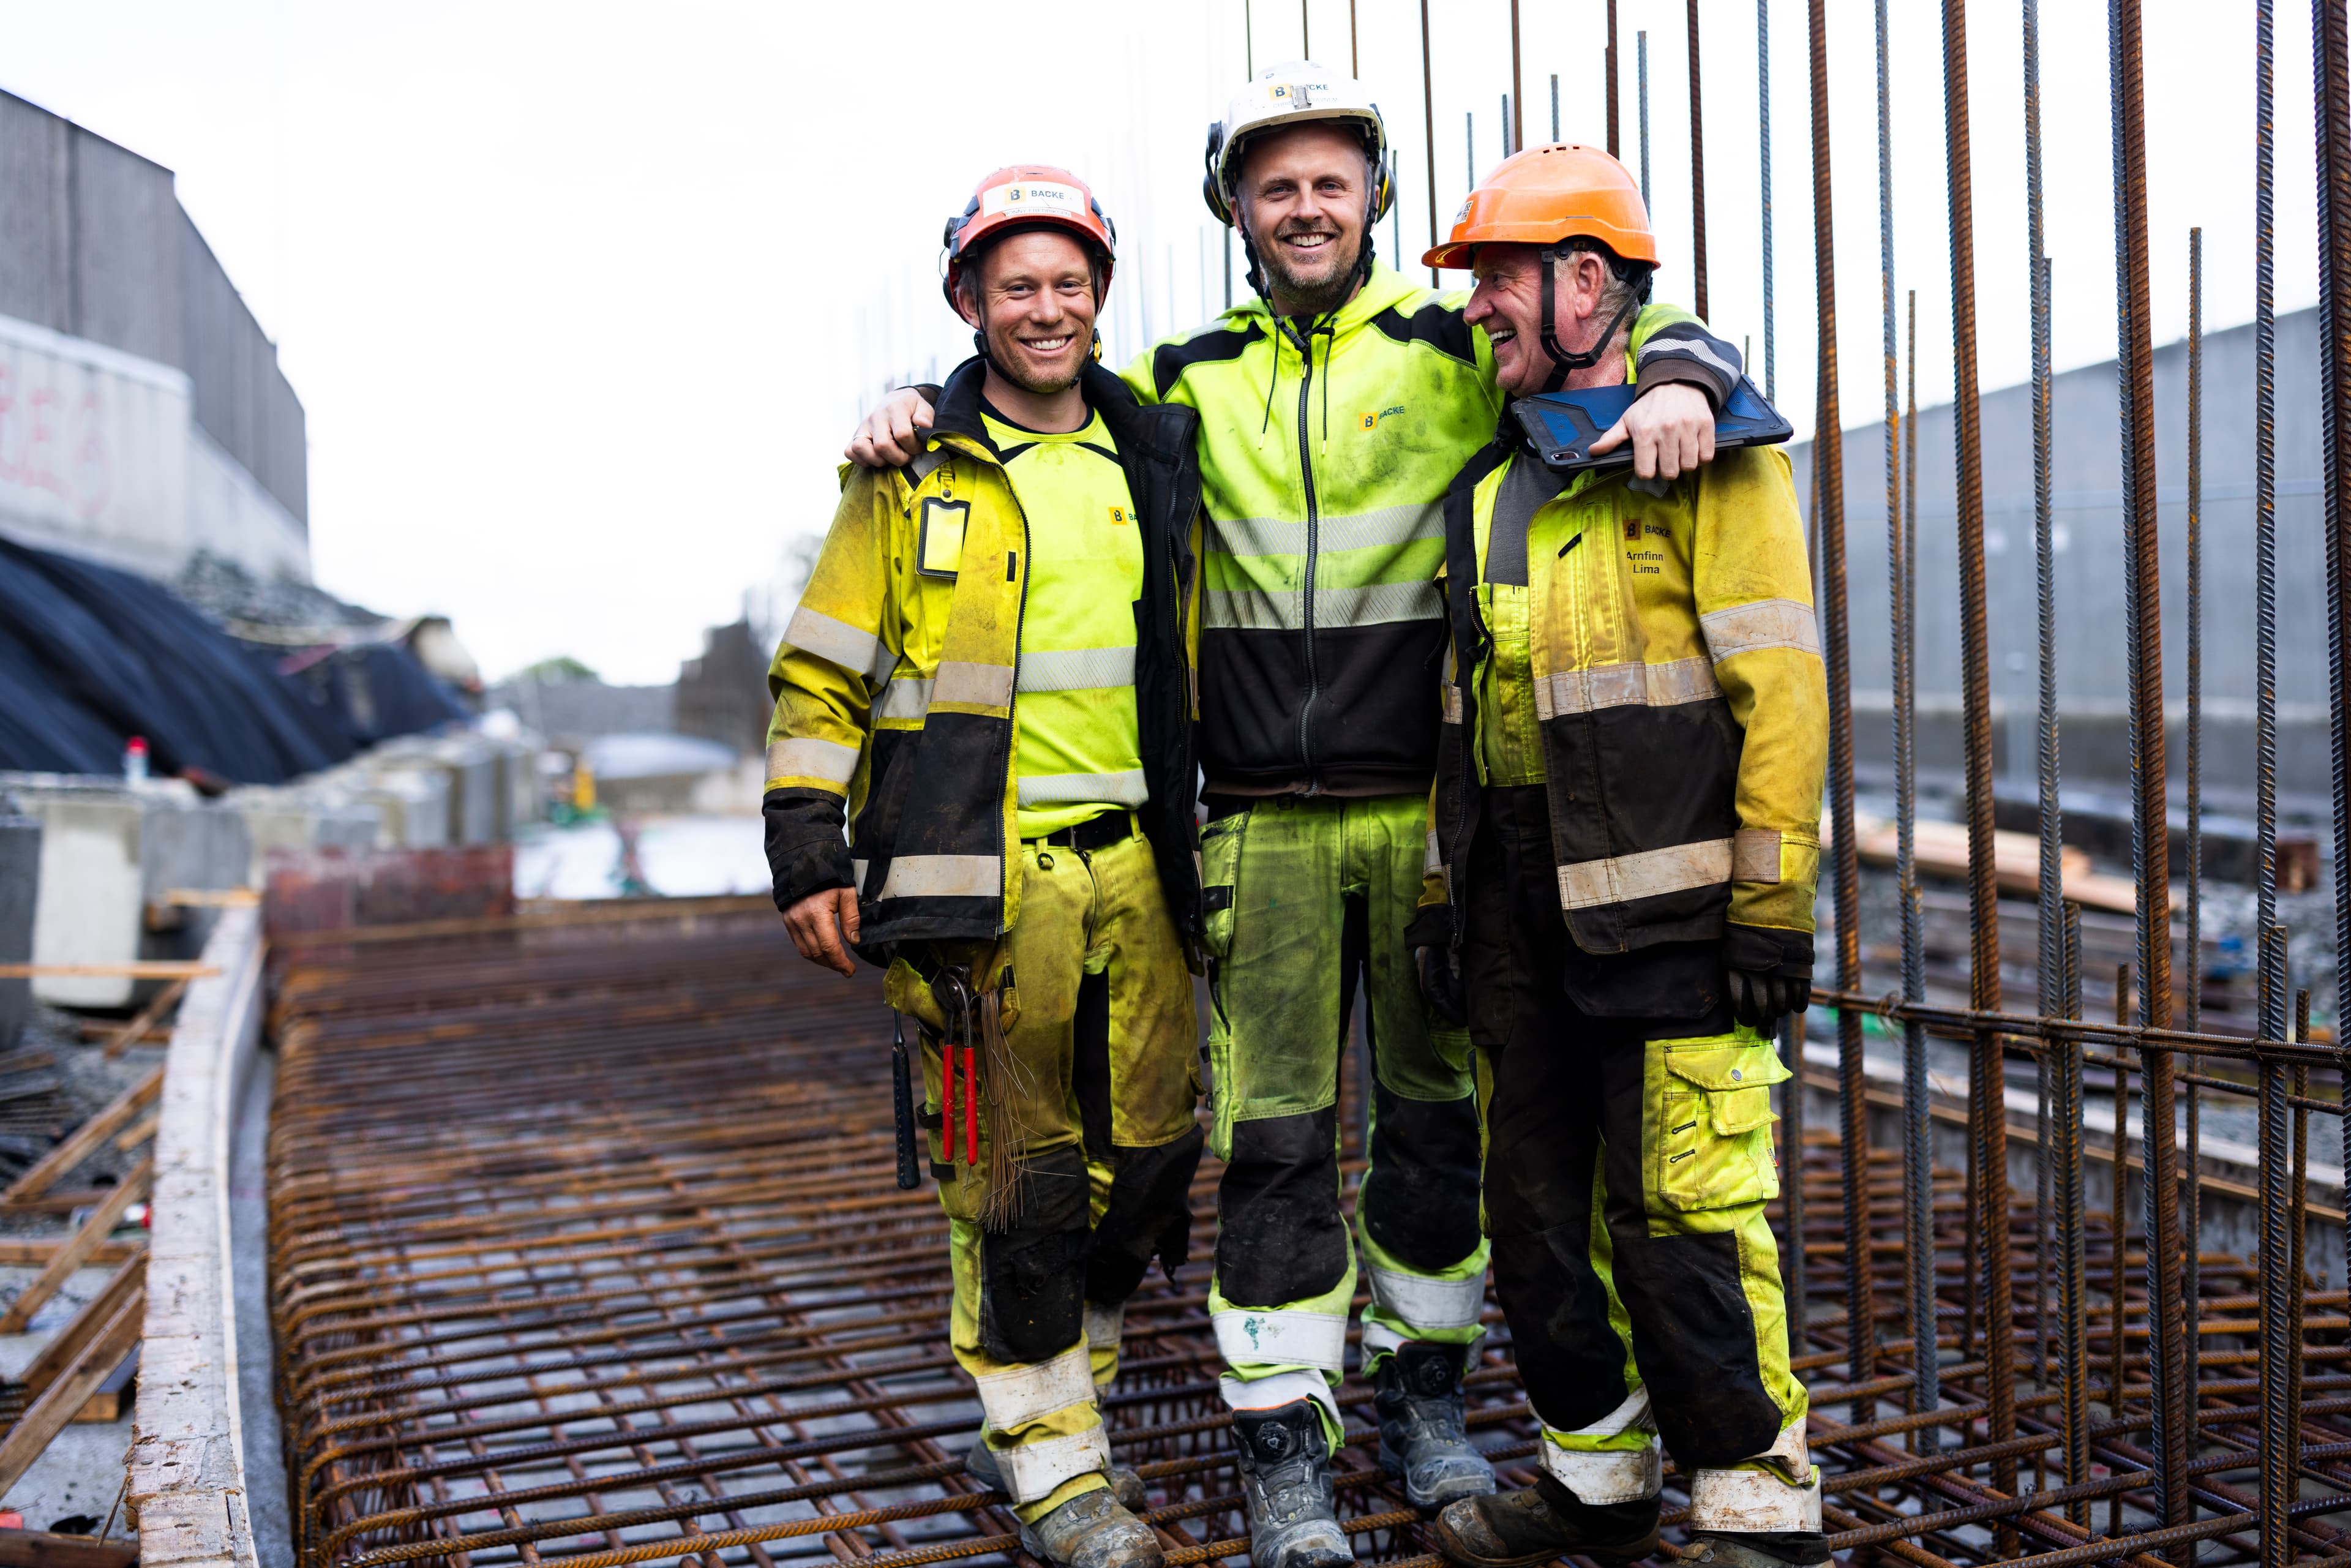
{"type": "Point", "coordinates": [1306, 897]}
{"type": "Point", "coordinates": [1627, 1161]}
{"type": "Point", "coordinates": [1101, 1037]}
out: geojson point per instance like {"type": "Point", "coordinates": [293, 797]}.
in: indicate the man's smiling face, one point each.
{"type": "Point", "coordinates": [1037, 291]}
{"type": "Point", "coordinates": [1303, 192]}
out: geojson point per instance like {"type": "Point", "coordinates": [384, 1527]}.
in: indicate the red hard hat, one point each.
{"type": "Point", "coordinates": [1029, 196]}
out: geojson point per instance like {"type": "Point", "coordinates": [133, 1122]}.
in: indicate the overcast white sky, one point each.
{"type": "Point", "coordinates": [581, 299]}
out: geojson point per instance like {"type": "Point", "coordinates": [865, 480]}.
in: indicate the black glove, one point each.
{"type": "Point", "coordinates": [1440, 984]}
{"type": "Point", "coordinates": [1760, 1000]}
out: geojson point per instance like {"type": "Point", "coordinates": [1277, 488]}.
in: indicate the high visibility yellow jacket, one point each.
{"type": "Point", "coordinates": [1674, 670]}
{"type": "Point", "coordinates": [1325, 451]}
{"type": "Point", "coordinates": [897, 679]}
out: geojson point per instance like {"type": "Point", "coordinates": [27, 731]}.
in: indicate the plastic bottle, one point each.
{"type": "Point", "coordinates": [134, 760]}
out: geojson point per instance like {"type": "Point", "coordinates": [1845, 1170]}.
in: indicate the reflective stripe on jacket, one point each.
{"type": "Point", "coordinates": [1325, 451]}
{"type": "Point", "coordinates": [1674, 673]}
{"type": "Point", "coordinates": [897, 676]}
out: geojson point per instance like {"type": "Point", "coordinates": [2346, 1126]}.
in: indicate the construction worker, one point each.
{"type": "Point", "coordinates": [987, 688]}
{"type": "Point", "coordinates": [1334, 411]}
{"type": "Point", "coordinates": [1625, 839]}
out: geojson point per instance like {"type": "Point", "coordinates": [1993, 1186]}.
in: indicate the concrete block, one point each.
{"type": "Point", "coordinates": [311, 817]}
{"type": "Point", "coordinates": [412, 804]}
{"type": "Point", "coordinates": [108, 850]}
{"type": "Point", "coordinates": [20, 881]}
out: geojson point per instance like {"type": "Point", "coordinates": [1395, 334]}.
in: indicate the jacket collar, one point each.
{"type": "Point", "coordinates": [959, 412]}
{"type": "Point", "coordinates": [1386, 289]}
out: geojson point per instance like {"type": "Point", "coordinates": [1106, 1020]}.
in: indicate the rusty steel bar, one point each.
{"type": "Point", "coordinates": [1986, 1073]}
{"type": "Point", "coordinates": [1697, 175]}
{"type": "Point", "coordinates": [1641, 89]}
{"type": "Point", "coordinates": [1428, 116]}
{"type": "Point", "coordinates": [2330, 66]}
{"type": "Point", "coordinates": [1516, 130]}
{"type": "Point", "coordinates": [1828, 468]}
{"type": "Point", "coordinates": [2191, 1279]}
{"type": "Point", "coordinates": [2150, 811]}
{"type": "Point", "coordinates": [1609, 69]}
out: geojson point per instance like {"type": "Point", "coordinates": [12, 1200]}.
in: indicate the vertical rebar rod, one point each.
{"type": "Point", "coordinates": [2072, 1227]}
{"type": "Point", "coordinates": [2331, 66]}
{"type": "Point", "coordinates": [1428, 116]}
{"type": "Point", "coordinates": [1470, 147]}
{"type": "Point", "coordinates": [1917, 1089]}
{"type": "Point", "coordinates": [1763, 134]}
{"type": "Point", "coordinates": [1516, 123]}
{"type": "Point", "coordinates": [1615, 150]}
{"type": "Point", "coordinates": [1554, 106]}
{"type": "Point", "coordinates": [2277, 1331]}
{"type": "Point", "coordinates": [1697, 175]}
{"type": "Point", "coordinates": [1354, 48]}
{"type": "Point", "coordinates": [1917, 1143]}
{"type": "Point", "coordinates": [2191, 1277]}
{"type": "Point", "coordinates": [1828, 469]}
{"type": "Point", "coordinates": [1508, 147]}
{"type": "Point", "coordinates": [2150, 827]}
{"type": "Point", "coordinates": [1305, 33]}
{"type": "Point", "coordinates": [2298, 1225]}
{"type": "Point", "coordinates": [1987, 1085]}
{"type": "Point", "coordinates": [1641, 66]}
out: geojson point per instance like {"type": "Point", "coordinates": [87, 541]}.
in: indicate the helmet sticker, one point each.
{"type": "Point", "coordinates": [1029, 196]}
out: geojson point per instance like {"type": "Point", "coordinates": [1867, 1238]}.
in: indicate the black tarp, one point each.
{"type": "Point", "coordinates": [90, 656]}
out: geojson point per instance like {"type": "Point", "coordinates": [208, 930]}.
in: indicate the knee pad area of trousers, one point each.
{"type": "Point", "coordinates": [1032, 1271]}
{"type": "Point", "coordinates": [1284, 1238]}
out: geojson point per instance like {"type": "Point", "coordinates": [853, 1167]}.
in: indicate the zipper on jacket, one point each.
{"type": "Point", "coordinates": [1313, 548]}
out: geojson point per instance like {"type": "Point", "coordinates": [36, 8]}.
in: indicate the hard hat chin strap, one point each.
{"type": "Point", "coordinates": [1563, 363]}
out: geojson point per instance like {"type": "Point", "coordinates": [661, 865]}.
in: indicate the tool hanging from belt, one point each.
{"type": "Point", "coordinates": [959, 1044]}
{"type": "Point", "coordinates": [902, 1103]}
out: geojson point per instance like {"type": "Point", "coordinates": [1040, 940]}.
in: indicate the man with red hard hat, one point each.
{"type": "Point", "coordinates": [1625, 835]}
{"type": "Point", "coordinates": [980, 774]}
{"type": "Point", "coordinates": [1334, 409]}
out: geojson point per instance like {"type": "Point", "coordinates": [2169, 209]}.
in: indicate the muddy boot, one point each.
{"type": "Point", "coordinates": [1285, 1460]}
{"type": "Point", "coordinates": [1092, 1531]}
{"type": "Point", "coordinates": [1417, 1393]}
{"type": "Point", "coordinates": [1514, 1530]}
{"type": "Point", "coordinates": [1772, 1548]}
{"type": "Point", "coordinates": [980, 1462]}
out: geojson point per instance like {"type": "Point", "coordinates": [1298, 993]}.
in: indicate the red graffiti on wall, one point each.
{"type": "Point", "coordinates": [48, 447]}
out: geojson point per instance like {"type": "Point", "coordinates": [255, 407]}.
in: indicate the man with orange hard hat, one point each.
{"type": "Point", "coordinates": [980, 774]}
{"type": "Point", "coordinates": [1624, 829]}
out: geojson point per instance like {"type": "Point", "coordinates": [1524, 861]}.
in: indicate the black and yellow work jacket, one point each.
{"type": "Point", "coordinates": [1326, 445]}
{"type": "Point", "coordinates": [1660, 674]}
{"type": "Point", "coordinates": [897, 675]}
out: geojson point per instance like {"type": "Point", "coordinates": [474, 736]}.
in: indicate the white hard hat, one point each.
{"type": "Point", "coordinates": [1294, 94]}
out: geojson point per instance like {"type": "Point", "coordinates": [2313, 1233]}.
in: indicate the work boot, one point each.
{"type": "Point", "coordinates": [980, 1462]}
{"type": "Point", "coordinates": [1514, 1530]}
{"type": "Point", "coordinates": [1092, 1530]}
{"type": "Point", "coordinates": [1417, 1393]}
{"type": "Point", "coordinates": [1285, 1460]}
{"type": "Point", "coordinates": [1758, 1549]}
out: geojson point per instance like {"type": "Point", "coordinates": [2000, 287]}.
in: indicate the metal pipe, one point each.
{"type": "Point", "coordinates": [1610, 71]}
{"type": "Point", "coordinates": [1428, 121]}
{"type": "Point", "coordinates": [1828, 469]}
{"type": "Point", "coordinates": [2150, 827]}
{"type": "Point", "coordinates": [1641, 60]}
{"type": "Point", "coordinates": [1698, 173]}
{"type": "Point", "coordinates": [1986, 1078]}
{"type": "Point", "coordinates": [2191, 1283]}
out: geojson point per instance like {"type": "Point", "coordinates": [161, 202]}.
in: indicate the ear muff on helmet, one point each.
{"type": "Point", "coordinates": [1212, 189]}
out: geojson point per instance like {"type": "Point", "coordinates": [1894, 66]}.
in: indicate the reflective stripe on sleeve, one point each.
{"type": "Point", "coordinates": [1693, 347]}
{"type": "Point", "coordinates": [826, 759]}
{"type": "Point", "coordinates": [1246, 1336]}
{"type": "Point", "coordinates": [1076, 669]}
{"type": "Point", "coordinates": [1755, 854]}
{"type": "Point", "coordinates": [981, 685]}
{"type": "Point", "coordinates": [1619, 878]}
{"type": "Point", "coordinates": [1032, 1470]}
{"type": "Point", "coordinates": [943, 876]}
{"type": "Point", "coordinates": [1765, 623]}
{"type": "Point", "coordinates": [905, 699]}
{"type": "Point", "coordinates": [1019, 1395]}
{"type": "Point", "coordinates": [1434, 861]}
{"type": "Point", "coordinates": [1428, 1305]}
{"type": "Point", "coordinates": [1628, 685]}
{"type": "Point", "coordinates": [814, 632]}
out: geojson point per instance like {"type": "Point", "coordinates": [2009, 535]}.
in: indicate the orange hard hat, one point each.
{"type": "Point", "coordinates": [1029, 196]}
{"type": "Point", "coordinates": [1546, 194]}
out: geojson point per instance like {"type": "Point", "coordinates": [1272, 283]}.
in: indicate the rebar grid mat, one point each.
{"type": "Point", "coordinates": [584, 1248]}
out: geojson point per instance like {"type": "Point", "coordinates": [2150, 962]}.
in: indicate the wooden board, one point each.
{"type": "Point", "coordinates": [39, 1549]}
{"type": "Point", "coordinates": [76, 1252]}
{"type": "Point", "coordinates": [130, 969]}
{"type": "Point", "coordinates": [85, 1141]}
{"type": "Point", "coordinates": [34, 1431]}
{"type": "Point", "coordinates": [1942, 851]}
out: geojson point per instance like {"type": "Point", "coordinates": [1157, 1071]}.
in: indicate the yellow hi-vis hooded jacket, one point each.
{"type": "Point", "coordinates": [895, 682]}
{"type": "Point", "coordinates": [1678, 693]}
{"type": "Point", "coordinates": [1326, 446]}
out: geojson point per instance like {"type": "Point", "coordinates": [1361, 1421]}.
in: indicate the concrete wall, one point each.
{"type": "Point", "coordinates": [2087, 516]}
{"type": "Point", "coordinates": [97, 254]}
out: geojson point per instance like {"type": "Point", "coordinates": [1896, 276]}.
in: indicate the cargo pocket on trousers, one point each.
{"type": "Point", "coordinates": [1714, 1122]}
{"type": "Point", "coordinates": [1220, 865]}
